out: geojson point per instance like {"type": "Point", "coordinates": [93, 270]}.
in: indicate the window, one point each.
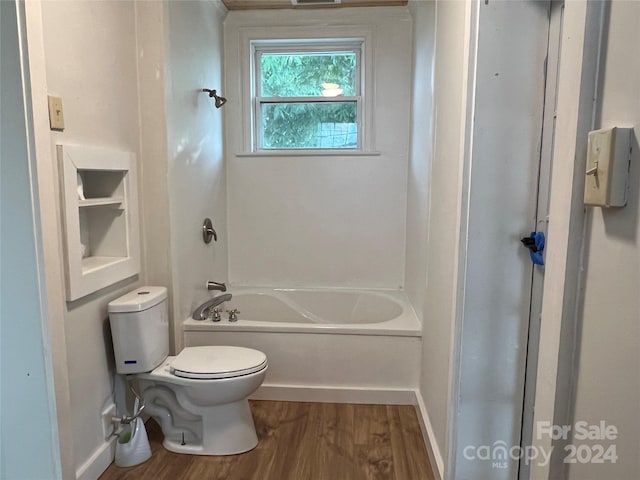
{"type": "Point", "coordinates": [307, 95]}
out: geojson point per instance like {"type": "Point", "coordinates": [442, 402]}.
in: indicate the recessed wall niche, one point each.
{"type": "Point", "coordinates": [100, 212]}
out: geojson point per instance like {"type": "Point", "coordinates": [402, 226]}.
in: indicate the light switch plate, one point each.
{"type": "Point", "coordinates": [56, 115]}
{"type": "Point", "coordinates": [607, 172]}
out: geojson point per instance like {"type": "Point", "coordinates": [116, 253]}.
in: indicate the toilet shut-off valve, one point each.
{"type": "Point", "coordinates": [118, 422]}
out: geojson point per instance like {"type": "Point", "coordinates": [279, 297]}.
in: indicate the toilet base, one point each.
{"type": "Point", "coordinates": [202, 417]}
{"type": "Point", "coordinates": [227, 430]}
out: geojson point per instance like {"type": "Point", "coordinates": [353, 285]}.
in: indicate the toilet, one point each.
{"type": "Point", "coordinates": [199, 397]}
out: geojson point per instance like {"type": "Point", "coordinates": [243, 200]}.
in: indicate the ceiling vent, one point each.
{"type": "Point", "coordinates": [314, 2]}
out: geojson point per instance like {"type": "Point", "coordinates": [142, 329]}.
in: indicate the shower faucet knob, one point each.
{"type": "Point", "coordinates": [215, 315]}
{"type": "Point", "coordinates": [233, 315]}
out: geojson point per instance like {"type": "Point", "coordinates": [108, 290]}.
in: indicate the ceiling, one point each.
{"type": "Point", "coordinates": [271, 4]}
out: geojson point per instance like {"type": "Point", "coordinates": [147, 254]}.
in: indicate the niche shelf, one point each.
{"type": "Point", "coordinates": [100, 212]}
{"type": "Point", "coordinates": [98, 202]}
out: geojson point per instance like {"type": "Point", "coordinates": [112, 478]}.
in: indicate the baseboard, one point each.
{"type": "Point", "coordinates": [98, 462]}
{"type": "Point", "coordinates": [435, 456]}
{"type": "Point", "coordinates": [306, 393]}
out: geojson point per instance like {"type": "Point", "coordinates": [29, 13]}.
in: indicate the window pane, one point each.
{"type": "Point", "coordinates": [308, 74]}
{"type": "Point", "coordinates": [309, 125]}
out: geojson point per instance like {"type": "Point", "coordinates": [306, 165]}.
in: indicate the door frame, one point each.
{"type": "Point", "coordinates": [577, 96]}
{"type": "Point", "coordinates": [547, 149]}
{"type": "Point", "coordinates": [31, 227]}
{"type": "Point", "coordinates": [578, 87]}
{"type": "Point", "coordinates": [43, 175]}
{"type": "Point", "coordinates": [542, 220]}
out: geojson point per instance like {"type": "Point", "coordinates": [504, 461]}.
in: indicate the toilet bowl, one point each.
{"type": "Point", "coordinates": [199, 397]}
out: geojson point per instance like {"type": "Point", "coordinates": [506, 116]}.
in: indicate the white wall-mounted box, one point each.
{"type": "Point", "coordinates": [100, 215]}
{"type": "Point", "coordinates": [606, 176]}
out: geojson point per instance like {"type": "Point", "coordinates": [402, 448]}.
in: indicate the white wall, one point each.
{"type": "Point", "coordinates": [322, 220]}
{"type": "Point", "coordinates": [608, 387]}
{"type": "Point", "coordinates": [195, 152]}
{"type": "Point", "coordinates": [28, 430]}
{"type": "Point", "coordinates": [105, 59]}
{"type": "Point", "coordinates": [91, 63]}
{"type": "Point", "coordinates": [423, 14]}
{"type": "Point", "coordinates": [180, 52]}
{"type": "Point", "coordinates": [451, 58]}
{"type": "Point", "coordinates": [96, 55]}
{"type": "Point", "coordinates": [154, 198]}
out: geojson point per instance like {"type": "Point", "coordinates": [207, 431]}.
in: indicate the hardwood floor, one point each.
{"type": "Point", "coordinates": [304, 441]}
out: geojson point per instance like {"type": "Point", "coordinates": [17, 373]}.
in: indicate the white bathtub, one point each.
{"type": "Point", "coordinates": [323, 344]}
{"type": "Point", "coordinates": [316, 310]}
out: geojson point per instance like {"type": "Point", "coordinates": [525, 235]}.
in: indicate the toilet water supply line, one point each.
{"type": "Point", "coordinates": [138, 407]}
{"type": "Point", "coordinates": [162, 414]}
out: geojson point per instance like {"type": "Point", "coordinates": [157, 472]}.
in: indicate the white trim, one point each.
{"type": "Point", "coordinates": [221, 7]}
{"type": "Point", "coordinates": [36, 223]}
{"type": "Point", "coordinates": [98, 462]}
{"type": "Point", "coordinates": [577, 96]}
{"type": "Point", "coordinates": [249, 36]}
{"type": "Point", "coordinates": [318, 99]}
{"type": "Point", "coordinates": [310, 153]}
{"type": "Point", "coordinates": [308, 393]}
{"type": "Point", "coordinates": [435, 456]}
{"type": "Point", "coordinates": [459, 279]}
{"type": "Point", "coordinates": [48, 216]}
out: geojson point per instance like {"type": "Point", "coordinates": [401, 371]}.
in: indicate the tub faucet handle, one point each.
{"type": "Point", "coordinates": [233, 315]}
{"type": "Point", "coordinates": [215, 314]}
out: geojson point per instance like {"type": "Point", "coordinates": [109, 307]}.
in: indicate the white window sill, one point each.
{"type": "Point", "coordinates": [309, 153]}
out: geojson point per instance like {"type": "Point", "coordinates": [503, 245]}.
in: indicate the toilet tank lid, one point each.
{"type": "Point", "coordinates": [140, 299]}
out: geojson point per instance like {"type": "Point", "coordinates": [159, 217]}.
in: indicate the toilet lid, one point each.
{"type": "Point", "coordinates": [217, 362]}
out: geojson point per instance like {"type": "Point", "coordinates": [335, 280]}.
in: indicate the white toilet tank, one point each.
{"type": "Point", "coordinates": [140, 329]}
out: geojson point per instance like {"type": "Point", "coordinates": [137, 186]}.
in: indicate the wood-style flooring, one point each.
{"type": "Point", "coordinates": [304, 441]}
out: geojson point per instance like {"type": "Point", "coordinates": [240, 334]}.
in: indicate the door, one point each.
{"type": "Point", "coordinates": [504, 175]}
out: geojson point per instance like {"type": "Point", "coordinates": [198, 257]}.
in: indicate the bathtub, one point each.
{"type": "Point", "coordinates": [323, 344]}
{"type": "Point", "coordinates": [314, 310]}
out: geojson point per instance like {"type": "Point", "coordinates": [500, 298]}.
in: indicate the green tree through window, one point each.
{"type": "Point", "coordinates": [305, 123]}
{"type": "Point", "coordinates": [302, 75]}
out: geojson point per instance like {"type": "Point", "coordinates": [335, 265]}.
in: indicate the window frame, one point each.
{"type": "Point", "coordinates": [301, 46]}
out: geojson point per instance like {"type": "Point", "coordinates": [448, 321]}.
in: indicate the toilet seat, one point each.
{"type": "Point", "coordinates": [217, 362]}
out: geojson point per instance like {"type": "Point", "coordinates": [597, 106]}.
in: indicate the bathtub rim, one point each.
{"type": "Point", "coordinates": [404, 325]}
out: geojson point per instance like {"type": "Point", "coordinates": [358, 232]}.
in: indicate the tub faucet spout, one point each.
{"type": "Point", "coordinates": [202, 312]}
{"type": "Point", "coordinates": [211, 285]}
